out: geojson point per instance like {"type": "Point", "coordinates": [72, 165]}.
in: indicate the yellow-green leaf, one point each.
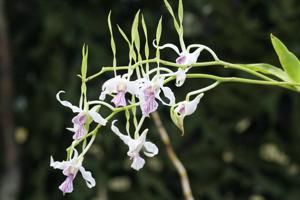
{"type": "Point", "coordinates": [288, 60]}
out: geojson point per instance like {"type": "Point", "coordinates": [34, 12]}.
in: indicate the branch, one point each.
{"type": "Point", "coordinates": [185, 184]}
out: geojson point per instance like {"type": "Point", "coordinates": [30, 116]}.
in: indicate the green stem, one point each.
{"type": "Point", "coordinates": [202, 90]}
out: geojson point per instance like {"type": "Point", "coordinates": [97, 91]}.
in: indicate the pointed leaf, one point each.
{"type": "Point", "coordinates": [268, 69]}
{"type": "Point", "coordinates": [288, 60]}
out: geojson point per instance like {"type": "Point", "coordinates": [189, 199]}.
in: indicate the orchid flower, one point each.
{"type": "Point", "coordinates": [120, 86]}
{"type": "Point", "coordinates": [70, 169]}
{"type": "Point", "coordinates": [135, 146]}
{"type": "Point", "coordinates": [150, 91]}
{"type": "Point", "coordinates": [81, 118]}
{"type": "Point", "coordinates": [182, 109]}
{"type": "Point", "coordinates": [186, 108]}
{"type": "Point", "coordinates": [185, 57]}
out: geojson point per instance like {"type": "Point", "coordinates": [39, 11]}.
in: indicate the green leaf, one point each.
{"type": "Point", "coordinates": [288, 60]}
{"type": "Point", "coordinates": [176, 25]}
{"type": "Point", "coordinates": [85, 52]}
{"type": "Point", "coordinates": [112, 41]}
{"type": "Point", "coordinates": [268, 69]}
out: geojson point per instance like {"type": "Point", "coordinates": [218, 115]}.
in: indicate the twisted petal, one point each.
{"type": "Point", "coordinates": [96, 116]}
{"type": "Point", "coordinates": [150, 149]}
{"type": "Point", "coordinates": [75, 109]}
{"type": "Point", "coordinates": [168, 45]}
{"type": "Point", "coordinates": [191, 106]}
{"type": "Point", "coordinates": [138, 162]}
{"type": "Point", "coordinates": [125, 138]}
{"type": "Point", "coordinates": [90, 181]}
{"type": "Point", "coordinates": [192, 58]}
{"type": "Point", "coordinates": [110, 86]}
{"type": "Point", "coordinates": [169, 94]}
{"type": "Point", "coordinates": [58, 165]}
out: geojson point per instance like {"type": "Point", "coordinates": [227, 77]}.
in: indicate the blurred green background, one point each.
{"type": "Point", "coordinates": [242, 144]}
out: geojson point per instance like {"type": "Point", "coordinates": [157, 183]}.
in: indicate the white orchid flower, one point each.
{"type": "Point", "coordinates": [150, 91]}
{"type": "Point", "coordinates": [186, 57]}
{"type": "Point", "coordinates": [120, 86]}
{"type": "Point", "coordinates": [135, 146]}
{"type": "Point", "coordinates": [70, 169]}
{"type": "Point", "coordinates": [186, 108]}
{"type": "Point", "coordinates": [81, 118]}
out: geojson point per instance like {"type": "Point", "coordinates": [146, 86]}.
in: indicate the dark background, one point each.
{"type": "Point", "coordinates": [241, 144]}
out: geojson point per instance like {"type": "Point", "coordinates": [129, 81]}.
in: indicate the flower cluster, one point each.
{"type": "Point", "coordinates": [143, 86]}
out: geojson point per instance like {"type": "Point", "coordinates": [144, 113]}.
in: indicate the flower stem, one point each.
{"type": "Point", "coordinates": [184, 179]}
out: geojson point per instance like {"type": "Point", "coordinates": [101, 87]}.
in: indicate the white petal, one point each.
{"type": "Point", "coordinates": [169, 94]}
{"type": "Point", "coordinates": [180, 77]}
{"type": "Point", "coordinates": [191, 106]}
{"type": "Point", "coordinates": [142, 138]}
{"type": "Point", "coordinates": [75, 109]}
{"type": "Point", "coordinates": [75, 154]}
{"type": "Point", "coordinates": [110, 86]}
{"type": "Point", "coordinates": [58, 165]}
{"type": "Point", "coordinates": [90, 181]}
{"type": "Point", "coordinates": [136, 145]}
{"type": "Point", "coordinates": [193, 57]}
{"type": "Point", "coordinates": [138, 162]}
{"type": "Point", "coordinates": [133, 87]}
{"type": "Point", "coordinates": [97, 117]}
{"type": "Point", "coordinates": [125, 138]}
{"type": "Point", "coordinates": [151, 149]}
{"type": "Point", "coordinates": [71, 129]}
{"type": "Point", "coordinates": [168, 45]}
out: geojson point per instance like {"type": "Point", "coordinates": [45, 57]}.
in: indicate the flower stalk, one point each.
{"type": "Point", "coordinates": [184, 179]}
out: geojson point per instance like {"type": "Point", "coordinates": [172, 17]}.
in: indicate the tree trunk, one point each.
{"type": "Point", "coordinates": [10, 179]}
